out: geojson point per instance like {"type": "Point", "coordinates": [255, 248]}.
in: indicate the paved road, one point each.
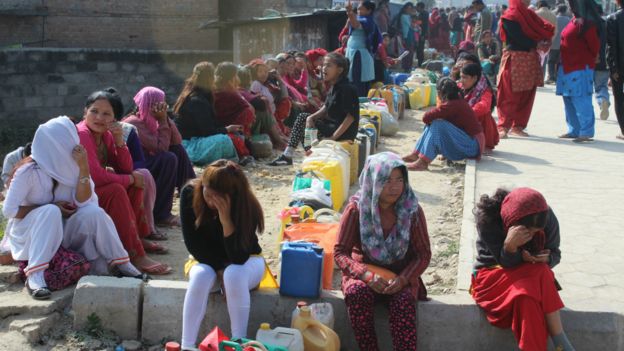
{"type": "Point", "coordinates": [584, 184]}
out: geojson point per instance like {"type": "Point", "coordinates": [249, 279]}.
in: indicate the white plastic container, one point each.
{"type": "Point", "coordinates": [321, 311]}
{"type": "Point", "coordinates": [284, 337]}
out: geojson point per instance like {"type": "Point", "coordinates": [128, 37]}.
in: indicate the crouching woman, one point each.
{"type": "Point", "coordinates": [220, 217]}
{"type": "Point", "coordinates": [513, 283]}
{"type": "Point", "coordinates": [383, 249]}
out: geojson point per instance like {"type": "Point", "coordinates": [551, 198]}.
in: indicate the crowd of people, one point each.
{"type": "Point", "coordinates": [101, 186]}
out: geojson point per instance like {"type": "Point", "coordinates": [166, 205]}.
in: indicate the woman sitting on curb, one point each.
{"type": "Point", "coordinates": [338, 118]}
{"type": "Point", "coordinates": [452, 130]}
{"type": "Point", "coordinates": [383, 225]}
{"type": "Point", "coordinates": [118, 186]}
{"type": "Point", "coordinates": [513, 281]}
{"type": "Point", "coordinates": [51, 202]}
{"type": "Point", "coordinates": [165, 156]}
{"type": "Point", "coordinates": [220, 219]}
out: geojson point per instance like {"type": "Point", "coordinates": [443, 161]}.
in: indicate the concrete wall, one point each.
{"type": "Point", "coordinates": [247, 9]}
{"type": "Point", "coordinates": [38, 84]}
{"type": "Point", "coordinates": [130, 24]}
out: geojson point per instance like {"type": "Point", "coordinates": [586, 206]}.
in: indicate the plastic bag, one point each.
{"type": "Point", "coordinates": [316, 192]}
{"type": "Point", "coordinates": [389, 125]}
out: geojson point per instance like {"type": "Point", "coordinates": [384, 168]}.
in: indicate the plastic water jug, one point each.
{"type": "Point", "coordinates": [374, 117]}
{"type": "Point", "coordinates": [332, 171]}
{"type": "Point", "coordinates": [433, 95]}
{"type": "Point", "coordinates": [399, 78]}
{"type": "Point", "coordinates": [316, 335]}
{"type": "Point", "coordinates": [321, 311]}
{"type": "Point", "coordinates": [302, 269]}
{"type": "Point", "coordinates": [334, 150]}
{"type": "Point", "coordinates": [364, 152]}
{"type": "Point", "coordinates": [287, 338]}
{"type": "Point", "coordinates": [353, 149]}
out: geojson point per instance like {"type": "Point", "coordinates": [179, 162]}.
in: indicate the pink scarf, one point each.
{"type": "Point", "coordinates": [144, 101]}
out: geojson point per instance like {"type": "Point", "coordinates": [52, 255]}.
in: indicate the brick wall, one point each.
{"type": "Point", "coordinates": [38, 84]}
{"type": "Point", "coordinates": [128, 24]}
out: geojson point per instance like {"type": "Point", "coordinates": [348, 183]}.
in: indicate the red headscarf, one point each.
{"type": "Point", "coordinates": [522, 202]}
{"type": "Point", "coordinates": [315, 54]}
{"type": "Point", "coordinates": [532, 25]}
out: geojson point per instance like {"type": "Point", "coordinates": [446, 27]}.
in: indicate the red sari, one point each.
{"type": "Point", "coordinates": [480, 99]}
{"type": "Point", "coordinates": [121, 201]}
{"type": "Point", "coordinates": [232, 108]}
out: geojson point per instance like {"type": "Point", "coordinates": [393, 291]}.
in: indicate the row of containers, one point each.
{"type": "Point", "coordinates": [309, 226]}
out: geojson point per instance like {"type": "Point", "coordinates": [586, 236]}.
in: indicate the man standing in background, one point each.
{"type": "Point", "coordinates": [484, 20]}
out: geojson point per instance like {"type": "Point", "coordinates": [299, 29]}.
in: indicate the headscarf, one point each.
{"type": "Point", "coordinates": [533, 26]}
{"type": "Point", "coordinates": [144, 100]}
{"type": "Point", "coordinates": [465, 46]}
{"type": "Point", "coordinates": [315, 54]}
{"type": "Point", "coordinates": [372, 180]}
{"type": "Point", "coordinates": [522, 202]}
{"type": "Point", "coordinates": [52, 150]}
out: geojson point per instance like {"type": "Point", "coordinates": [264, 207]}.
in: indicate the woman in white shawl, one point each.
{"type": "Point", "coordinates": [51, 202]}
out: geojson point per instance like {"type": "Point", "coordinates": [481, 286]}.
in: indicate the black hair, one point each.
{"type": "Point", "coordinates": [27, 149]}
{"type": "Point", "coordinates": [562, 9]}
{"type": "Point", "coordinates": [300, 54]}
{"type": "Point", "coordinates": [340, 61]}
{"type": "Point", "coordinates": [370, 6]}
{"type": "Point", "coordinates": [448, 89]}
{"type": "Point", "coordinates": [466, 56]}
{"type": "Point", "coordinates": [542, 3]}
{"type": "Point", "coordinates": [110, 95]}
{"type": "Point", "coordinates": [477, 2]}
{"type": "Point", "coordinates": [420, 5]}
{"type": "Point", "coordinates": [244, 76]}
{"type": "Point", "coordinates": [473, 70]}
{"type": "Point", "coordinates": [395, 24]}
{"type": "Point", "coordinates": [487, 212]}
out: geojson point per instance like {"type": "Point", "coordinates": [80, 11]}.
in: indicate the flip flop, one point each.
{"type": "Point", "coordinates": [157, 236]}
{"type": "Point", "coordinates": [155, 269]}
{"type": "Point", "coordinates": [154, 248]}
{"type": "Point", "coordinates": [172, 221]}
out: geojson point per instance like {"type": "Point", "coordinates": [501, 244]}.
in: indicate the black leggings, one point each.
{"type": "Point", "coordinates": [618, 97]}
{"type": "Point", "coordinates": [297, 133]}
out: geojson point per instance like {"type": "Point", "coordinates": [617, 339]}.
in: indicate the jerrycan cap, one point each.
{"type": "Point", "coordinates": [265, 326]}
{"type": "Point", "coordinates": [305, 311]}
{"type": "Point", "coordinates": [301, 304]}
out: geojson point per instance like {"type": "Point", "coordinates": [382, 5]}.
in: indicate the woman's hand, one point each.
{"type": "Point", "coordinates": [117, 132]}
{"type": "Point", "coordinates": [67, 208]}
{"type": "Point", "coordinates": [542, 257]}
{"type": "Point", "coordinates": [349, 7]}
{"type": "Point", "coordinates": [139, 181]}
{"type": "Point", "coordinates": [375, 282]}
{"type": "Point", "coordinates": [79, 154]}
{"type": "Point", "coordinates": [395, 285]}
{"type": "Point", "coordinates": [159, 111]}
{"type": "Point", "coordinates": [517, 236]}
{"type": "Point", "coordinates": [223, 204]}
{"type": "Point", "coordinates": [234, 128]}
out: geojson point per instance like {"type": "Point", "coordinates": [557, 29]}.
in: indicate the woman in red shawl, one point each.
{"type": "Point", "coordinates": [439, 32]}
{"type": "Point", "coordinates": [513, 281]}
{"type": "Point", "coordinates": [316, 86]}
{"type": "Point", "coordinates": [522, 32]}
{"type": "Point", "coordinates": [480, 96]}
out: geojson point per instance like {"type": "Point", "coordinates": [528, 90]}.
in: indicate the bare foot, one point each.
{"type": "Point", "coordinates": [517, 131]}
{"type": "Point", "coordinates": [147, 265]}
{"type": "Point", "coordinates": [419, 165]}
{"type": "Point", "coordinates": [410, 158]}
{"type": "Point", "coordinates": [502, 133]}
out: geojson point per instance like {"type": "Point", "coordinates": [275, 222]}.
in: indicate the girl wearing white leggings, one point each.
{"type": "Point", "coordinates": [220, 217]}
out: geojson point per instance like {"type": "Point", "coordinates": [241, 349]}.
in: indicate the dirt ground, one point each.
{"type": "Point", "coordinates": [440, 192]}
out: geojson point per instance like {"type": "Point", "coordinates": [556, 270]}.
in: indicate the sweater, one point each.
{"type": "Point", "coordinates": [206, 243]}
{"type": "Point", "coordinates": [578, 52]}
{"type": "Point", "coordinates": [166, 135]}
{"type": "Point", "coordinates": [196, 117]}
{"type": "Point", "coordinates": [459, 113]}
{"type": "Point", "coordinates": [490, 250]}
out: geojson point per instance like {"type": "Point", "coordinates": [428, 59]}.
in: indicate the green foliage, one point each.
{"type": "Point", "coordinates": [94, 325]}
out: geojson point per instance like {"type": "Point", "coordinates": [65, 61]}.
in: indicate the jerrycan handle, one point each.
{"type": "Point", "coordinates": [230, 344]}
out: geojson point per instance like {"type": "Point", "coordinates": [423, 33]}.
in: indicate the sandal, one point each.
{"type": "Point", "coordinates": [620, 136]}
{"type": "Point", "coordinates": [155, 269]}
{"type": "Point", "coordinates": [517, 131]}
{"type": "Point", "coordinates": [39, 294]}
{"type": "Point", "coordinates": [157, 236]}
{"type": "Point", "coordinates": [172, 221]}
{"type": "Point", "coordinates": [155, 248]}
{"type": "Point", "coordinates": [566, 136]}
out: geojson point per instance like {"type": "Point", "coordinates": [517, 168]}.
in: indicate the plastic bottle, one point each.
{"type": "Point", "coordinates": [172, 346]}
{"type": "Point", "coordinates": [316, 335]}
{"type": "Point", "coordinates": [324, 313]}
{"type": "Point", "coordinates": [286, 338]}
{"type": "Point", "coordinates": [295, 312]}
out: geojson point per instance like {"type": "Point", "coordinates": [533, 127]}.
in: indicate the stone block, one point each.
{"type": "Point", "coordinates": [34, 327]}
{"type": "Point", "coordinates": [9, 274]}
{"type": "Point", "coordinates": [116, 301]}
{"type": "Point", "coordinates": [19, 302]}
{"type": "Point", "coordinates": [107, 66]}
{"type": "Point", "coordinates": [54, 101]}
{"type": "Point", "coordinates": [33, 102]}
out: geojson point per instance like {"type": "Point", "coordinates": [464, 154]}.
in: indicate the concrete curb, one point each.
{"type": "Point", "coordinates": [450, 322]}
{"type": "Point", "coordinates": [468, 236]}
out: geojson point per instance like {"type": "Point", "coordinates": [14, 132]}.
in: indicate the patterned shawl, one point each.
{"type": "Point", "coordinates": [372, 180]}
